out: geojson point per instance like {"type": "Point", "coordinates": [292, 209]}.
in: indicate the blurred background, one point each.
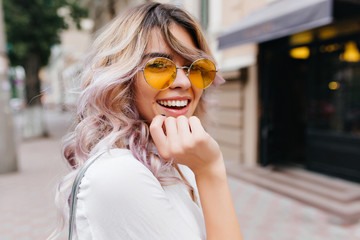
{"type": "Point", "coordinates": [287, 118]}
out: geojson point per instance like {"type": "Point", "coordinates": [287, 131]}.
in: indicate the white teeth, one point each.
{"type": "Point", "coordinates": [173, 103]}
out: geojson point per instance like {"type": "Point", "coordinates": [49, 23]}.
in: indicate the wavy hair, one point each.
{"type": "Point", "coordinates": [106, 112]}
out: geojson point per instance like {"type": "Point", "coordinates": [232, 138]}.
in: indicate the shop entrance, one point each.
{"type": "Point", "coordinates": [311, 106]}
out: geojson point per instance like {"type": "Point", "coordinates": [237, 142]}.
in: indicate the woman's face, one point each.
{"type": "Point", "coordinates": [151, 102]}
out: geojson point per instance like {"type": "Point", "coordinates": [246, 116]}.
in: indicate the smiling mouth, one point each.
{"type": "Point", "coordinates": [173, 104]}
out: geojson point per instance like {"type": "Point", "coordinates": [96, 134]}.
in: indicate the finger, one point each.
{"type": "Point", "coordinates": [157, 132]}
{"type": "Point", "coordinates": [196, 127]}
{"type": "Point", "coordinates": [183, 128]}
{"type": "Point", "coordinates": [171, 129]}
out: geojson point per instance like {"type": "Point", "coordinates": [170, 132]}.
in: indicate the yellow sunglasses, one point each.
{"type": "Point", "coordinates": [161, 72]}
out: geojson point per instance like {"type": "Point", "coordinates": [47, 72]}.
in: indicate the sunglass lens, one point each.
{"type": "Point", "coordinates": [160, 73]}
{"type": "Point", "coordinates": [202, 73]}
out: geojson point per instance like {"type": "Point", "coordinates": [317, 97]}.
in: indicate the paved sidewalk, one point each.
{"type": "Point", "coordinates": [27, 210]}
{"type": "Point", "coordinates": [265, 215]}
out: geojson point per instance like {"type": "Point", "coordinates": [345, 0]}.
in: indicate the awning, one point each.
{"type": "Point", "coordinates": [276, 20]}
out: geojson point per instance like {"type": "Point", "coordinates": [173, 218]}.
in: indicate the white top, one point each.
{"type": "Point", "coordinates": [119, 198]}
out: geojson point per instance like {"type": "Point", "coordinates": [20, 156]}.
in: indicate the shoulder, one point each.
{"type": "Point", "coordinates": [117, 166]}
{"type": "Point", "coordinates": [117, 174]}
{"type": "Point", "coordinates": [113, 161]}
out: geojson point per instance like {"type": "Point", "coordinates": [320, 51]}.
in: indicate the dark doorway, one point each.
{"type": "Point", "coordinates": [283, 83]}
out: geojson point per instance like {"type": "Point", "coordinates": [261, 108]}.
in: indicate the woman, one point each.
{"type": "Point", "coordinates": [159, 175]}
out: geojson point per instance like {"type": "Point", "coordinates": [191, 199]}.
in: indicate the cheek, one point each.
{"type": "Point", "coordinates": [197, 96]}
{"type": "Point", "coordinates": [198, 93]}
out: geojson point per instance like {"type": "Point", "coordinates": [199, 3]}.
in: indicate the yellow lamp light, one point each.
{"type": "Point", "coordinates": [334, 85]}
{"type": "Point", "coordinates": [351, 53]}
{"type": "Point", "coordinates": [300, 52]}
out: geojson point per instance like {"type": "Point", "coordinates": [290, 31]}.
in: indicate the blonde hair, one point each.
{"type": "Point", "coordinates": [106, 112]}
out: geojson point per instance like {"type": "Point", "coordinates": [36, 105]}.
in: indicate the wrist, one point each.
{"type": "Point", "coordinates": [213, 171]}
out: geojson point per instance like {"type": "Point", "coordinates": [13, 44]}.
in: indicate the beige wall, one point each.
{"type": "Point", "coordinates": [227, 126]}
{"type": "Point", "coordinates": [237, 113]}
{"type": "Point", "coordinates": [234, 10]}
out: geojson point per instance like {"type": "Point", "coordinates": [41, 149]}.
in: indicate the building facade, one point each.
{"type": "Point", "coordinates": [303, 81]}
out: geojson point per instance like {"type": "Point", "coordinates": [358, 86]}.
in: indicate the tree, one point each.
{"type": "Point", "coordinates": [32, 28]}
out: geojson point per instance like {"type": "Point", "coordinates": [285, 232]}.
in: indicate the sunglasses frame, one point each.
{"type": "Point", "coordinates": [186, 72]}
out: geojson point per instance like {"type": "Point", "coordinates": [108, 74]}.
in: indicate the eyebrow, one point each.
{"type": "Point", "coordinates": [158, 54]}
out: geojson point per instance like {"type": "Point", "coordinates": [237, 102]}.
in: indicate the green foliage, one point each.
{"type": "Point", "coordinates": [33, 26]}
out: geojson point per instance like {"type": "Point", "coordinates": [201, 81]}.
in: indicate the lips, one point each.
{"type": "Point", "coordinates": [175, 106]}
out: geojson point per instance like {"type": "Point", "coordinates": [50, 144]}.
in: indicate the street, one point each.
{"type": "Point", "coordinates": [27, 209]}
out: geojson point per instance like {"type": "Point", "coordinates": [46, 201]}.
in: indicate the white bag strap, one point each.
{"type": "Point", "coordinates": [75, 190]}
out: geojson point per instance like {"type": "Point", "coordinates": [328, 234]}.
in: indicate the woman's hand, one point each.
{"type": "Point", "coordinates": [185, 140]}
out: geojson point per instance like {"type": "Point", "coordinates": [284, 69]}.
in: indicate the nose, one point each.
{"type": "Point", "coordinates": [181, 80]}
